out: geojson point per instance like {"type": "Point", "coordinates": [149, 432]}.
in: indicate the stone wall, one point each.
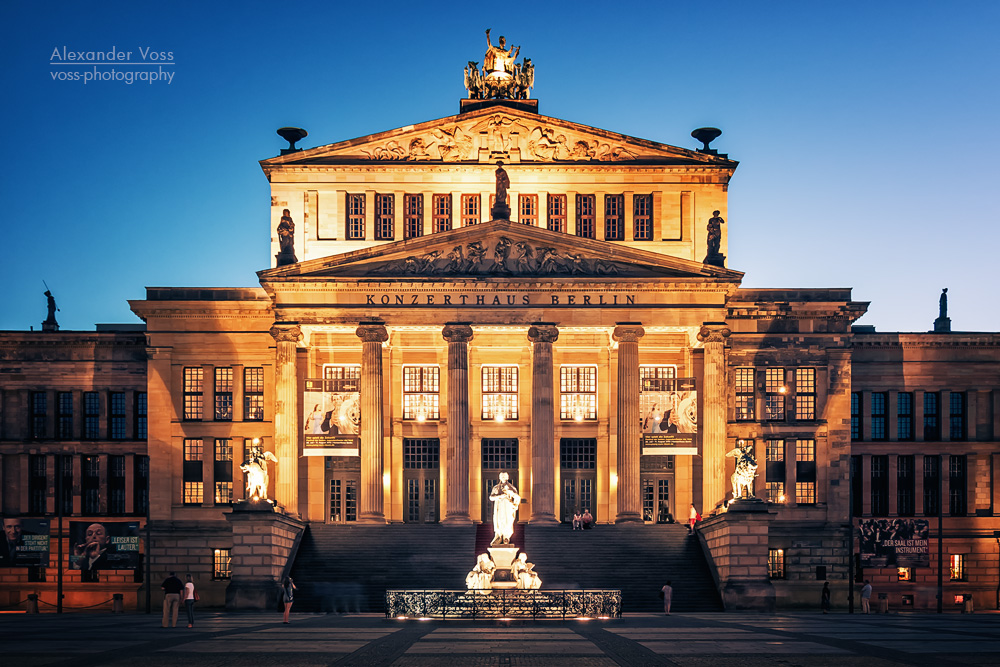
{"type": "Point", "coordinates": [737, 545]}
{"type": "Point", "coordinates": [263, 541]}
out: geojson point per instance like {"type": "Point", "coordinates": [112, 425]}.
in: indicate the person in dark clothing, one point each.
{"type": "Point", "coordinates": [824, 601]}
{"type": "Point", "coordinates": [172, 587]}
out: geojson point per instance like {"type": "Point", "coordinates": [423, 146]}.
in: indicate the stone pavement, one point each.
{"type": "Point", "coordinates": [245, 640]}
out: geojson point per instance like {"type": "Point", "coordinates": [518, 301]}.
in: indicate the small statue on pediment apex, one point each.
{"type": "Point", "coordinates": [286, 240]}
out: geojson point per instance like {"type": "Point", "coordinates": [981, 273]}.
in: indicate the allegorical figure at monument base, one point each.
{"type": "Point", "coordinates": [505, 501]}
{"type": "Point", "coordinates": [255, 468]}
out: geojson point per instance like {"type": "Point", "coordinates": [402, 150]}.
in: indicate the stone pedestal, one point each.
{"type": "Point", "coordinates": [503, 557]}
{"type": "Point", "coordinates": [262, 544]}
{"type": "Point", "coordinates": [737, 543]}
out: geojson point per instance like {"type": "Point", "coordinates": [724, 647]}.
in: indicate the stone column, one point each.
{"type": "Point", "coordinates": [286, 415]}
{"type": "Point", "coordinates": [713, 430]}
{"type": "Point", "coordinates": [628, 334]}
{"type": "Point", "coordinates": [458, 335]}
{"type": "Point", "coordinates": [542, 494]}
{"type": "Point", "coordinates": [372, 335]}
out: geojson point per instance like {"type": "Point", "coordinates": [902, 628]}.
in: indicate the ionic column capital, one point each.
{"type": "Point", "coordinates": [714, 332]}
{"type": "Point", "coordinates": [457, 332]}
{"type": "Point", "coordinates": [286, 332]}
{"type": "Point", "coordinates": [543, 332]}
{"type": "Point", "coordinates": [373, 331]}
{"type": "Point", "coordinates": [628, 332]}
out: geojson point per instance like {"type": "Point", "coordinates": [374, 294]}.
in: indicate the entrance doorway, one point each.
{"type": "Point", "coordinates": [656, 502]}
{"type": "Point", "coordinates": [499, 455]}
{"type": "Point", "coordinates": [421, 475]}
{"type": "Point", "coordinates": [578, 472]}
{"type": "Point", "coordinates": [343, 476]}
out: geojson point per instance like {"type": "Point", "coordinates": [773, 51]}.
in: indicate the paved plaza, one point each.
{"type": "Point", "coordinates": [242, 640]}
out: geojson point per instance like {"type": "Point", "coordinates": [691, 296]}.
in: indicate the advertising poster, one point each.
{"type": "Point", "coordinates": [668, 416]}
{"type": "Point", "coordinates": [25, 542]}
{"type": "Point", "coordinates": [103, 545]}
{"type": "Point", "coordinates": [332, 417]}
{"type": "Point", "coordinates": [894, 543]}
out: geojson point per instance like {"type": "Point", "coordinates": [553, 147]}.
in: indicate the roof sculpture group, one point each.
{"type": "Point", "coordinates": [500, 76]}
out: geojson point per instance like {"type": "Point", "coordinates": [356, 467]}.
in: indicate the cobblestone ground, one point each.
{"type": "Point", "coordinates": [252, 640]}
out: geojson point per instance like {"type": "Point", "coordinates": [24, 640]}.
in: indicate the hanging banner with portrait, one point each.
{"type": "Point", "coordinates": [332, 417]}
{"type": "Point", "coordinates": [24, 543]}
{"type": "Point", "coordinates": [668, 416]}
{"type": "Point", "coordinates": [103, 545]}
{"type": "Point", "coordinates": [894, 543]}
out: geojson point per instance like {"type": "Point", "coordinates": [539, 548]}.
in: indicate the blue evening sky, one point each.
{"type": "Point", "coordinates": [867, 132]}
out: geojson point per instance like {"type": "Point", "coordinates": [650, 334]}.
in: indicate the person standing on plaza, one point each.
{"type": "Point", "coordinates": [287, 596]}
{"type": "Point", "coordinates": [172, 588]}
{"type": "Point", "coordinates": [667, 593]}
{"type": "Point", "coordinates": [824, 601]}
{"type": "Point", "coordinates": [866, 597]}
{"type": "Point", "coordinates": [190, 596]}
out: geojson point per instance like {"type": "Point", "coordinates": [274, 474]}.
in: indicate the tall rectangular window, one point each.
{"type": "Point", "coordinates": [642, 215]}
{"type": "Point", "coordinates": [805, 471]}
{"type": "Point", "coordinates": [116, 416]}
{"type": "Point", "coordinates": [744, 394]}
{"type": "Point", "coordinates": [413, 216]}
{"type": "Point", "coordinates": [38, 481]}
{"type": "Point", "coordinates": [64, 416]}
{"type": "Point", "coordinates": [224, 394]}
{"type": "Point", "coordinates": [857, 485]}
{"type": "Point", "coordinates": [855, 415]}
{"type": "Point", "coordinates": [193, 393]}
{"type": "Point", "coordinates": [775, 470]}
{"type": "Point", "coordinates": [385, 211]}
{"type": "Point", "coordinates": [65, 471]}
{"type": "Point", "coordinates": [116, 484]}
{"type": "Point", "coordinates": [957, 485]}
{"type": "Point", "coordinates": [776, 563]}
{"type": "Point", "coordinates": [556, 214]}
{"type": "Point", "coordinates": [441, 205]}
{"type": "Point", "coordinates": [471, 210]}
{"type": "Point", "coordinates": [586, 216]}
{"type": "Point", "coordinates": [355, 217]}
{"type": "Point", "coordinates": [774, 394]}
{"type": "Point", "coordinates": [880, 485]}
{"type": "Point", "coordinates": [904, 415]}
{"type": "Point", "coordinates": [879, 400]}
{"type": "Point", "coordinates": [932, 485]}
{"type": "Point", "coordinates": [614, 217]}
{"type": "Point", "coordinates": [193, 471]}
{"type": "Point", "coordinates": [578, 453]}
{"type": "Point", "coordinates": [91, 415]}
{"type": "Point", "coordinates": [141, 409]}
{"type": "Point", "coordinates": [90, 484]}
{"type": "Point", "coordinates": [223, 471]}
{"type": "Point", "coordinates": [932, 416]}
{"type": "Point", "coordinates": [527, 213]}
{"type": "Point", "coordinates": [956, 413]}
{"type": "Point", "coordinates": [222, 563]}
{"type": "Point", "coordinates": [39, 414]}
{"type": "Point", "coordinates": [578, 393]}
{"type": "Point", "coordinates": [956, 564]}
{"type": "Point", "coordinates": [421, 392]}
{"type": "Point", "coordinates": [805, 393]}
{"type": "Point", "coordinates": [253, 394]}
{"type": "Point", "coordinates": [905, 485]}
{"type": "Point", "coordinates": [140, 485]}
{"type": "Point", "coordinates": [500, 392]}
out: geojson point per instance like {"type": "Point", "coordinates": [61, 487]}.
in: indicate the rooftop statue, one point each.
{"type": "Point", "coordinates": [500, 77]}
{"type": "Point", "coordinates": [255, 468]}
{"type": "Point", "coordinates": [50, 323]}
{"type": "Point", "coordinates": [505, 501]}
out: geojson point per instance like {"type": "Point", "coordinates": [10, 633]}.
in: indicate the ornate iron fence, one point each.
{"type": "Point", "coordinates": [503, 603]}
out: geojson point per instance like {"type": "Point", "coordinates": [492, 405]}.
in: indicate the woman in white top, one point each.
{"type": "Point", "coordinates": [189, 598]}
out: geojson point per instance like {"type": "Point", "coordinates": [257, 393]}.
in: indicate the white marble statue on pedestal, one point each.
{"type": "Point", "coordinates": [505, 501]}
{"type": "Point", "coordinates": [746, 470]}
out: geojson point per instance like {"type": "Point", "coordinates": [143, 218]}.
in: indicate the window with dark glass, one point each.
{"type": "Point", "coordinates": [141, 423]}
{"type": "Point", "coordinates": [64, 470]}
{"type": "Point", "coordinates": [904, 415]}
{"type": "Point", "coordinates": [193, 471]}
{"type": "Point", "coordinates": [744, 394]}
{"type": "Point", "coordinates": [500, 454]}
{"type": "Point", "coordinates": [586, 216]}
{"type": "Point", "coordinates": [500, 392]}
{"type": "Point", "coordinates": [578, 393]}
{"type": "Point", "coordinates": [578, 453]}
{"type": "Point", "coordinates": [442, 213]}
{"type": "Point", "coordinates": [642, 214]}
{"type": "Point", "coordinates": [413, 216]}
{"type": "Point", "coordinates": [905, 486]}
{"type": "Point", "coordinates": [527, 213]}
{"type": "Point", "coordinates": [421, 453]}
{"type": "Point", "coordinates": [90, 484]}
{"type": "Point", "coordinates": [879, 400]}
{"type": "Point", "coordinates": [140, 485]}
{"type": "Point", "coordinates": [193, 393]}
{"type": "Point", "coordinates": [64, 416]}
{"type": "Point", "coordinates": [91, 415]}
{"type": "Point", "coordinates": [223, 471]}
{"type": "Point", "coordinates": [957, 485]}
{"type": "Point", "coordinates": [956, 413]}
{"type": "Point", "coordinates": [39, 414]}
{"type": "Point", "coordinates": [116, 415]}
{"type": "Point", "coordinates": [880, 485]}
{"type": "Point", "coordinates": [355, 217]}
{"type": "Point", "coordinates": [614, 217]}
{"type": "Point", "coordinates": [38, 481]}
{"type": "Point", "coordinates": [775, 470]}
{"type": "Point", "coordinates": [253, 394]}
{"type": "Point", "coordinates": [421, 392]}
{"type": "Point", "coordinates": [223, 394]}
{"type": "Point", "coordinates": [857, 486]}
{"type": "Point", "coordinates": [932, 416]}
{"type": "Point", "coordinates": [385, 211]}
{"type": "Point", "coordinates": [774, 394]}
{"type": "Point", "coordinates": [556, 214]}
{"type": "Point", "coordinates": [471, 210]}
{"type": "Point", "coordinates": [855, 415]}
{"type": "Point", "coordinates": [116, 484]}
{"type": "Point", "coordinates": [805, 393]}
{"type": "Point", "coordinates": [932, 485]}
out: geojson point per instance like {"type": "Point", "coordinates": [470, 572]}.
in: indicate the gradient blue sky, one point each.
{"type": "Point", "coordinates": [867, 132]}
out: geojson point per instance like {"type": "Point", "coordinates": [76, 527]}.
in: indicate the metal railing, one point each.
{"type": "Point", "coordinates": [503, 603]}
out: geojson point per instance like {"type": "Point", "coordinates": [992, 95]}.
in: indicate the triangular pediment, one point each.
{"type": "Point", "coordinates": [513, 134]}
{"type": "Point", "coordinates": [499, 249]}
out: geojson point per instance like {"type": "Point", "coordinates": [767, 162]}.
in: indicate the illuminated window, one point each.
{"type": "Point", "coordinates": [652, 377]}
{"type": "Point", "coordinates": [141, 417]}
{"type": "Point", "coordinates": [348, 377]}
{"type": "Point", "coordinates": [744, 394]}
{"type": "Point", "coordinates": [64, 416]}
{"type": "Point", "coordinates": [223, 471]}
{"type": "Point", "coordinates": [421, 387]}
{"type": "Point", "coordinates": [957, 566]}
{"type": "Point", "coordinates": [193, 493]}
{"type": "Point", "coordinates": [774, 394]}
{"type": "Point", "coordinates": [775, 470]}
{"type": "Point", "coordinates": [578, 393]}
{"type": "Point", "coordinates": [586, 216]}
{"type": "Point", "coordinates": [956, 413]}
{"type": "Point", "coordinates": [193, 388]}
{"type": "Point", "coordinates": [614, 217]}
{"type": "Point", "coordinates": [471, 210]}
{"type": "Point", "coordinates": [116, 415]}
{"type": "Point", "coordinates": [253, 394]}
{"type": "Point", "coordinates": [528, 209]}
{"type": "Point", "coordinates": [343, 500]}
{"type": "Point", "coordinates": [442, 213]}
{"type": "Point", "coordinates": [223, 493]}
{"type": "Point", "coordinates": [355, 217]}
{"type": "Point", "coordinates": [932, 423]}
{"type": "Point", "coordinates": [776, 450]}
{"type": "Point", "coordinates": [805, 471]}
{"type": "Point", "coordinates": [193, 471]}
{"type": "Point", "coordinates": [776, 492]}
{"type": "Point", "coordinates": [805, 493]}
{"type": "Point", "coordinates": [385, 210]}
{"type": "Point", "coordinates": [556, 220]}
{"type": "Point", "coordinates": [500, 392]}
{"type": "Point", "coordinates": [904, 416]}
{"type": "Point", "coordinates": [776, 563]}
{"type": "Point", "coordinates": [223, 394]}
{"type": "Point", "coordinates": [91, 415]}
{"type": "Point", "coordinates": [642, 215]}
{"type": "Point", "coordinates": [413, 216]}
{"type": "Point", "coordinates": [39, 414]}
{"type": "Point", "coordinates": [805, 393]}
{"type": "Point", "coordinates": [805, 450]}
{"type": "Point", "coordinates": [904, 574]}
{"type": "Point", "coordinates": [222, 563]}
{"type": "Point", "coordinates": [856, 415]}
{"type": "Point", "coordinates": [879, 399]}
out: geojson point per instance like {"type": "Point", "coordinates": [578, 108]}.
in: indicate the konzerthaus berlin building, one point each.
{"type": "Point", "coordinates": [414, 337]}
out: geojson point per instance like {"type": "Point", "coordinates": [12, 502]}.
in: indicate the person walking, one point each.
{"type": "Point", "coordinates": [824, 601]}
{"type": "Point", "coordinates": [693, 518]}
{"type": "Point", "coordinates": [190, 596]}
{"type": "Point", "coordinates": [866, 597]}
{"type": "Point", "coordinates": [172, 588]}
{"type": "Point", "coordinates": [667, 593]}
{"type": "Point", "coordinates": [287, 596]}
